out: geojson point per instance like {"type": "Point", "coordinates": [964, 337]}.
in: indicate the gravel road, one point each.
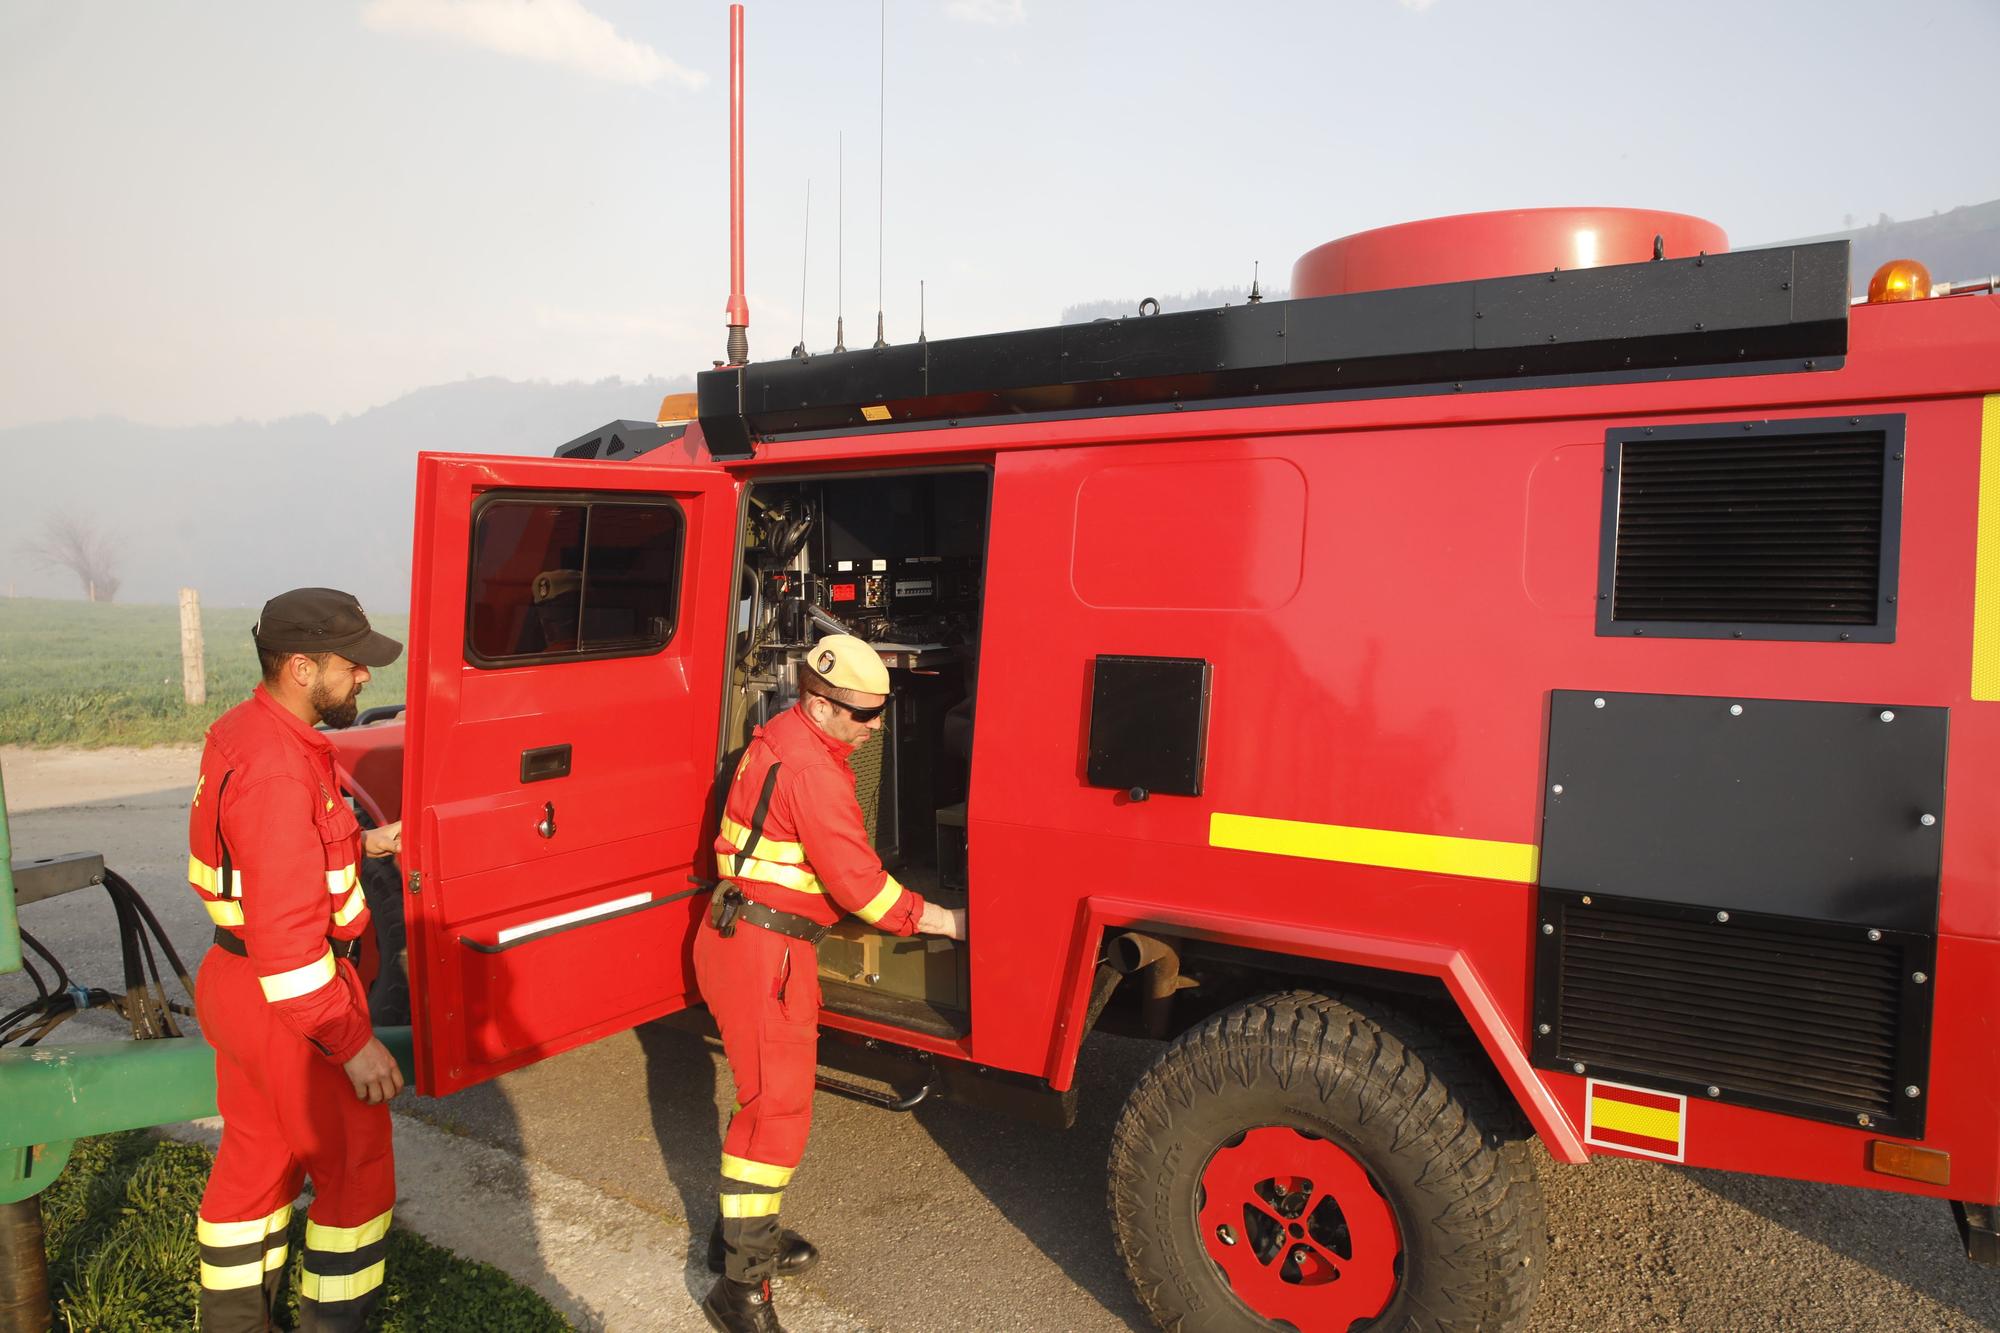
{"type": "Point", "coordinates": [951, 1218]}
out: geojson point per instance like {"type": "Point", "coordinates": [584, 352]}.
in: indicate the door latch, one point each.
{"type": "Point", "coordinates": [547, 828]}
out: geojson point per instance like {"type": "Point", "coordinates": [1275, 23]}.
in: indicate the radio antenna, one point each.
{"type": "Point", "coordinates": [921, 319]}
{"type": "Point", "coordinates": [1255, 295]}
{"type": "Point", "coordinates": [739, 307]}
{"type": "Point", "coordinates": [805, 260]}
{"type": "Point", "coordinates": [881, 142]}
{"type": "Point", "coordinates": [840, 243]}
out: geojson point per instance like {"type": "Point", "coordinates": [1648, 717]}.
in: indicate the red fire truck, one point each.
{"type": "Point", "coordinates": [1541, 680]}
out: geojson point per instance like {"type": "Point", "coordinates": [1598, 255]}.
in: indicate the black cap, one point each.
{"type": "Point", "coordinates": [322, 620]}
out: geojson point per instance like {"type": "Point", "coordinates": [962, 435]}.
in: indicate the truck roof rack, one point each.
{"type": "Point", "coordinates": [1779, 309]}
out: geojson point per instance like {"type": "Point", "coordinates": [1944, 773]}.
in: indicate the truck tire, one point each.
{"type": "Point", "coordinates": [1301, 1162]}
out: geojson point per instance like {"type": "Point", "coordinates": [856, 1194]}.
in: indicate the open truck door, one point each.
{"type": "Point", "coordinates": [568, 625]}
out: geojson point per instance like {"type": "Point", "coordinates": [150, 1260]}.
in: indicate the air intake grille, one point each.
{"type": "Point", "coordinates": [1713, 530]}
{"type": "Point", "coordinates": [1808, 1019]}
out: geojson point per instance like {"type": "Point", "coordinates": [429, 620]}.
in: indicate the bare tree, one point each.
{"type": "Point", "coordinates": [72, 542]}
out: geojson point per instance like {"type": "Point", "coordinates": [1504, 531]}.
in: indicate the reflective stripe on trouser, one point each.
{"type": "Point", "coordinates": [763, 989]}
{"type": "Point", "coordinates": [341, 1277]}
{"type": "Point", "coordinates": [288, 1113]}
{"type": "Point", "coordinates": [242, 1265]}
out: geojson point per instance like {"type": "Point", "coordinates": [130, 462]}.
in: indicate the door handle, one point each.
{"type": "Point", "coordinates": [547, 828]}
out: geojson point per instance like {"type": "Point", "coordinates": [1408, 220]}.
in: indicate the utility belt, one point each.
{"type": "Point", "coordinates": [729, 905]}
{"type": "Point", "coordinates": [348, 949]}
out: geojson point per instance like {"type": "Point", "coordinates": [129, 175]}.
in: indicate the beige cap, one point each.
{"type": "Point", "coordinates": [844, 664]}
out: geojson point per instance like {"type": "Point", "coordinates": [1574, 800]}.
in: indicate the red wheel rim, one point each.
{"type": "Point", "coordinates": [1298, 1229]}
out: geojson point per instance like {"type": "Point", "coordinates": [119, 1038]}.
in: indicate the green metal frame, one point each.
{"type": "Point", "coordinates": [10, 923]}
{"type": "Point", "coordinates": [55, 1095]}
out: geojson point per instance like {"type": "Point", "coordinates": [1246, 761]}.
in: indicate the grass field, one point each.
{"type": "Point", "coordinates": [119, 1224]}
{"type": "Point", "coordinates": [74, 673]}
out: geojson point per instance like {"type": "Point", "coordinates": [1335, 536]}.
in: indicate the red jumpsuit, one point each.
{"type": "Point", "coordinates": [814, 860]}
{"type": "Point", "coordinates": [273, 853]}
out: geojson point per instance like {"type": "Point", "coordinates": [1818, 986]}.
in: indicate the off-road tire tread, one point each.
{"type": "Point", "coordinates": [1367, 1061]}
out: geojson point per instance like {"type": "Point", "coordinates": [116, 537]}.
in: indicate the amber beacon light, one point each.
{"type": "Point", "coordinates": [1899, 280]}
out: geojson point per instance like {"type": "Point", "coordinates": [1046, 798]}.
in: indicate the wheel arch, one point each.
{"type": "Point", "coordinates": [1315, 957]}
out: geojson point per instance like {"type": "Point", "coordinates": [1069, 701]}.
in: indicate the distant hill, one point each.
{"type": "Point", "coordinates": [1955, 246]}
{"type": "Point", "coordinates": [1203, 299]}
{"type": "Point", "coordinates": [248, 509]}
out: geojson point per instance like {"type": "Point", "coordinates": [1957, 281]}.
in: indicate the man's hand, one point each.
{"type": "Point", "coordinates": [384, 841]}
{"type": "Point", "coordinates": [948, 922]}
{"type": "Point", "coordinates": [374, 1073]}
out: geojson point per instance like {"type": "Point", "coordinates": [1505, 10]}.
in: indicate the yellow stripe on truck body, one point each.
{"type": "Point", "coordinates": [1515, 862]}
{"type": "Point", "coordinates": [1986, 572]}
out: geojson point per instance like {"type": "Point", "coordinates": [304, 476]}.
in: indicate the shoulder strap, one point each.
{"type": "Point", "coordinates": [225, 884]}
{"type": "Point", "coordinates": [757, 818]}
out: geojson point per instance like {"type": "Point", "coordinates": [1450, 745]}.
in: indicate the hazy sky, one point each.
{"type": "Point", "coordinates": [233, 208]}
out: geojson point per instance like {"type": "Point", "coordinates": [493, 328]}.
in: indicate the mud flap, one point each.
{"type": "Point", "coordinates": [1976, 1222]}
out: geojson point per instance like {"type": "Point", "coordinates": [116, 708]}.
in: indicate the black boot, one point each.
{"type": "Point", "coordinates": [796, 1254]}
{"type": "Point", "coordinates": [740, 1307]}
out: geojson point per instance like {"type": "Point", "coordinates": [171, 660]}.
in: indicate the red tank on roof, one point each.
{"type": "Point", "coordinates": [1493, 245]}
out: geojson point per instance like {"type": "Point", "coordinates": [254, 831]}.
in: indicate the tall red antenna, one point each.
{"type": "Point", "coordinates": [739, 307]}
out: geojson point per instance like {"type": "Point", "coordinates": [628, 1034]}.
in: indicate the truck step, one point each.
{"type": "Point", "coordinates": [888, 1100]}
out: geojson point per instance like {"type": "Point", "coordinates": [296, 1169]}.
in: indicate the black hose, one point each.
{"type": "Point", "coordinates": [55, 964]}
{"type": "Point", "coordinates": [144, 1004]}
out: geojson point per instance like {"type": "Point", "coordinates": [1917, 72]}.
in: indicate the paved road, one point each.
{"type": "Point", "coordinates": [951, 1218]}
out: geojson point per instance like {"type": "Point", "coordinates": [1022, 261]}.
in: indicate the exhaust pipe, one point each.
{"type": "Point", "coordinates": [1137, 955]}
{"type": "Point", "coordinates": [739, 306]}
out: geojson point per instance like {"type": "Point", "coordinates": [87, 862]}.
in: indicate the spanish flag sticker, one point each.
{"type": "Point", "coordinates": [1635, 1120]}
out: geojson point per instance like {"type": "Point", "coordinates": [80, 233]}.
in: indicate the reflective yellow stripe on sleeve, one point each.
{"type": "Point", "coordinates": [224, 911]}
{"type": "Point", "coordinates": [790, 853]}
{"type": "Point", "coordinates": [346, 1240]}
{"type": "Point", "coordinates": [209, 879]}
{"type": "Point", "coordinates": [796, 878]}
{"type": "Point", "coordinates": [878, 907]}
{"type": "Point", "coordinates": [356, 904]}
{"type": "Point", "coordinates": [756, 1173]}
{"type": "Point", "coordinates": [750, 1205]}
{"type": "Point", "coordinates": [343, 879]}
{"type": "Point", "coordinates": [300, 980]}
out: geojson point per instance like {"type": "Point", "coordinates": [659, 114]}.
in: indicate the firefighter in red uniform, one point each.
{"type": "Point", "coordinates": [301, 1080]}
{"type": "Point", "coordinates": [795, 855]}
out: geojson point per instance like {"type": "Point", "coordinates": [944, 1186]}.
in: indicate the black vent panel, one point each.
{"type": "Point", "coordinates": [1780, 529]}
{"type": "Point", "coordinates": [1798, 1017]}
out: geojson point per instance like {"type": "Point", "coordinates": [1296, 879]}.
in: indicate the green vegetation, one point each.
{"type": "Point", "coordinates": [123, 1259]}
{"type": "Point", "coordinates": [77, 673]}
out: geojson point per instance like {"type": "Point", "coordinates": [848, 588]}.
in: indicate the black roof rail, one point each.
{"type": "Point", "coordinates": [1779, 309]}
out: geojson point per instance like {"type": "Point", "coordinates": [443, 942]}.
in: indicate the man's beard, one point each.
{"type": "Point", "coordinates": [332, 712]}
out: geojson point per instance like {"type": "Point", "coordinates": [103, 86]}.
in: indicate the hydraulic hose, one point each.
{"type": "Point", "coordinates": [144, 1003]}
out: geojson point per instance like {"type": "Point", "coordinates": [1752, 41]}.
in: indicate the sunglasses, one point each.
{"type": "Point", "coordinates": [862, 716]}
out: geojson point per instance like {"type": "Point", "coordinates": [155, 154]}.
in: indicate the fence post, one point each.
{"type": "Point", "coordinates": [194, 680]}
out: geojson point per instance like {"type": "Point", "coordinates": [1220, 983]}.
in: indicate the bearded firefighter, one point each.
{"type": "Point", "coordinates": [301, 1080]}
{"type": "Point", "coordinates": [794, 854]}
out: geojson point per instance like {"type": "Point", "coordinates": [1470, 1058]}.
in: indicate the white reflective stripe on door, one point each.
{"type": "Point", "coordinates": [570, 918]}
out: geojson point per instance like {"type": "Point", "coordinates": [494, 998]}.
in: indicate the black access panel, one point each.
{"type": "Point", "coordinates": [1739, 901]}
{"type": "Point", "coordinates": [1785, 806]}
{"type": "Point", "coordinates": [1149, 724]}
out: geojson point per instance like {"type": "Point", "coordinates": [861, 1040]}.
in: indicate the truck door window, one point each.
{"type": "Point", "coordinates": [570, 578]}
